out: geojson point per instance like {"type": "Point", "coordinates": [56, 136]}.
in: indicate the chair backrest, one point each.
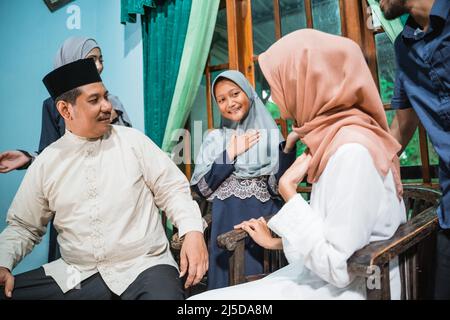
{"type": "Point", "coordinates": [413, 243]}
{"type": "Point", "coordinates": [419, 198]}
{"type": "Point", "coordinates": [417, 263]}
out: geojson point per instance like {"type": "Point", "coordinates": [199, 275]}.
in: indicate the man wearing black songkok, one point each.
{"type": "Point", "coordinates": [106, 184]}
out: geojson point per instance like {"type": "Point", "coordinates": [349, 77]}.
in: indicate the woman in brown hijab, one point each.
{"type": "Point", "coordinates": [322, 82]}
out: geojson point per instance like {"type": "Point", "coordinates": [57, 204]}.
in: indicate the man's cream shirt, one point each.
{"type": "Point", "coordinates": [105, 195]}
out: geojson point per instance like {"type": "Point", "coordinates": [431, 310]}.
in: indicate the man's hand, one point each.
{"type": "Point", "coordinates": [193, 258]}
{"type": "Point", "coordinates": [260, 233]}
{"type": "Point", "coordinates": [7, 280]}
{"type": "Point", "coordinates": [287, 186]}
{"type": "Point", "coordinates": [12, 160]}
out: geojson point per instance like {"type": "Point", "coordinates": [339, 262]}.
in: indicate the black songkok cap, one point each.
{"type": "Point", "coordinates": [71, 76]}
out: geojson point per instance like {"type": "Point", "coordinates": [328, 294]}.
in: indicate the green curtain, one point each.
{"type": "Point", "coordinates": [164, 26]}
{"type": "Point", "coordinates": [200, 31]}
{"type": "Point", "coordinates": [392, 27]}
{"type": "Point", "coordinates": [130, 8]}
{"type": "Point", "coordinates": [163, 36]}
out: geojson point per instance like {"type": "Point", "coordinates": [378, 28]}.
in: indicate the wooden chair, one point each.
{"type": "Point", "coordinates": [413, 243]}
{"type": "Point", "coordinates": [205, 209]}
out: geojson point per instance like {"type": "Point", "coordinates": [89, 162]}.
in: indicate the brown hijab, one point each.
{"type": "Point", "coordinates": [323, 82]}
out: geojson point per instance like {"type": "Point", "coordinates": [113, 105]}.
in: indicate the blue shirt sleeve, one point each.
{"type": "Point", "coordinates": [285, 161]}
{"type": "Point", "coordinates": [400, 99]}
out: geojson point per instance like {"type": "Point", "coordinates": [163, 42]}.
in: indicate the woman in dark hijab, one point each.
{"type": "Point", "coordinates": [53, 128]}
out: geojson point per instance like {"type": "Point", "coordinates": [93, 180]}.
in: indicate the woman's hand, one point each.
{"type": "Point", "coordinates": [287, 186]}
{"type": "Point", "coordinates": [260, 233]}
{"type": "Point", "coordinates": [7, 281]}
{"type": "Point", "coordinates": [240, 144]}
{"type": "Point", "coordinates": [12, 160]}
{"type": "Point", "coordinates": [291, 141]}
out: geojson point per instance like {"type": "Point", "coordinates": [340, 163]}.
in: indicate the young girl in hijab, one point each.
{"type": "Point", "coordinates": [322, 82]}
{"type": "Point", "coordinates": [237, 169]}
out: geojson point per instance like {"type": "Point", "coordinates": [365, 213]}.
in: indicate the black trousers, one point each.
{"type": "Point", "coordinates": [53, 248]}
{"type": "Point", "coordinates": [160, 282]}
{"type": "Point", "coordinates": [442, 275]}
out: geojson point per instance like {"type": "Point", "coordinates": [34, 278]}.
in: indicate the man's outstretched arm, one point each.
{"type": "Point", "coordinates": [172, 194]}
{"type": "Point", "coordinates": [27, 221]}
{"type": "Point", "coordinates": [14, 160]}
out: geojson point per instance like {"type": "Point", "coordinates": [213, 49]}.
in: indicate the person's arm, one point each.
{"type": "Point", "coordinates": [403, 126]}
{"type": "Point", "coordinates": [223, 166]}
{"type": "Point", "coordinates": [172, 194]}
{"type": "Point", "coordinates": [287, 152]}
{"type": "Point", "coordinates": [325, 241]}
{"type": "Point", "coordinates": [405, 121]}
{"type": "Point", "coordinates": [287, 156]}
{"type": "Point", "coordinates": [50, 130]}
{"type": "Point", "coordinates": [258, 230]}
{"type": "Point", "coordinates": [27, 221]}
{"type": "Point", "coordinates": [14, 160]}
{"type": "Point", "coordinates": [170, 188]}
{"type": "Point", "coordinates": [221, 169]}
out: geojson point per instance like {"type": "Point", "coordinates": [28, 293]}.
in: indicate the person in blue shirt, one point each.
{"type": "Point", "coordinates": [422, 93]}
